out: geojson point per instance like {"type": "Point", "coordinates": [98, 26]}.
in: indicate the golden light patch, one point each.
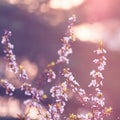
{"type": "Point", "coordinates": [65, 4]}
{"type": "Point", "coordinates": [89, 32]}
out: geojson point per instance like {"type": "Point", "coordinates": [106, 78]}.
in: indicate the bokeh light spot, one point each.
{"type": "Point", "coordinates": [89, 32]}
{"type": "Point", "coordinates": [65, 4]}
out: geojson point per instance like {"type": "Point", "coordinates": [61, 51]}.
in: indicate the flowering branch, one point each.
{"type": "Point", "coordinates": [19, 71]}
{"type": "Point", "coordinates": [98, 100]}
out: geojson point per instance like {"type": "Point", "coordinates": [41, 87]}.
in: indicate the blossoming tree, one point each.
{"type": "Point", "coordinates": [95, 102]}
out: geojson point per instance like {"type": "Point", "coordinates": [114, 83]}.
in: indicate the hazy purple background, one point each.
{"type": "Point", "coordinates": [37, 29]}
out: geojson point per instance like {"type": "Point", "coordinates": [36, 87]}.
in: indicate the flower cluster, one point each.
{"type": "Point", "coordinates": [60, 93]}
{"type": "Point", "coordinates": [8, 50]}
{"type": "Point", "coordinates": [66, 49]}
{"type": "Point", "coordinates": [87, 116]}
{"type": "Point", "coordinates": [97, 75]}
{"type": "Point", "coordinates": [74, 85]}
{"type": "Point", "coordinates": [98, 100]}
{"type": "Point", "coordinates": [36, 94]}
{"type": "Point", "coordinates": [50, 72]}
{"type": "Point", "coordinates": [8, 87]}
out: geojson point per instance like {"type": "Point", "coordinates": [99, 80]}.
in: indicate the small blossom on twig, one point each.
{"type": "Point", "coordinates": [8, 87]}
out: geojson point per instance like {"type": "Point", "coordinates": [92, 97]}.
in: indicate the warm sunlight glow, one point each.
{"type": "Point", "coordinates": [65, 4]}
{"type": "Point", "coordinates": [34, 113]}
{"type": "Point", "coordinates": [12, 107]}
{"type": "Point", "coordinates": [108, 31]}
{"type": "Point", "coordinates": [30, 67]}
{"type": "Point", "coordinates": [89, 32]}
{"type": "Point", "coordinates": [9, 107]}
{"type": "Point", "coordinates": [13, 1]}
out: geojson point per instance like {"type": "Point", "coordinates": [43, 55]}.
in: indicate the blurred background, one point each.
{"type": "Point", "coordinates": [37, 27]}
